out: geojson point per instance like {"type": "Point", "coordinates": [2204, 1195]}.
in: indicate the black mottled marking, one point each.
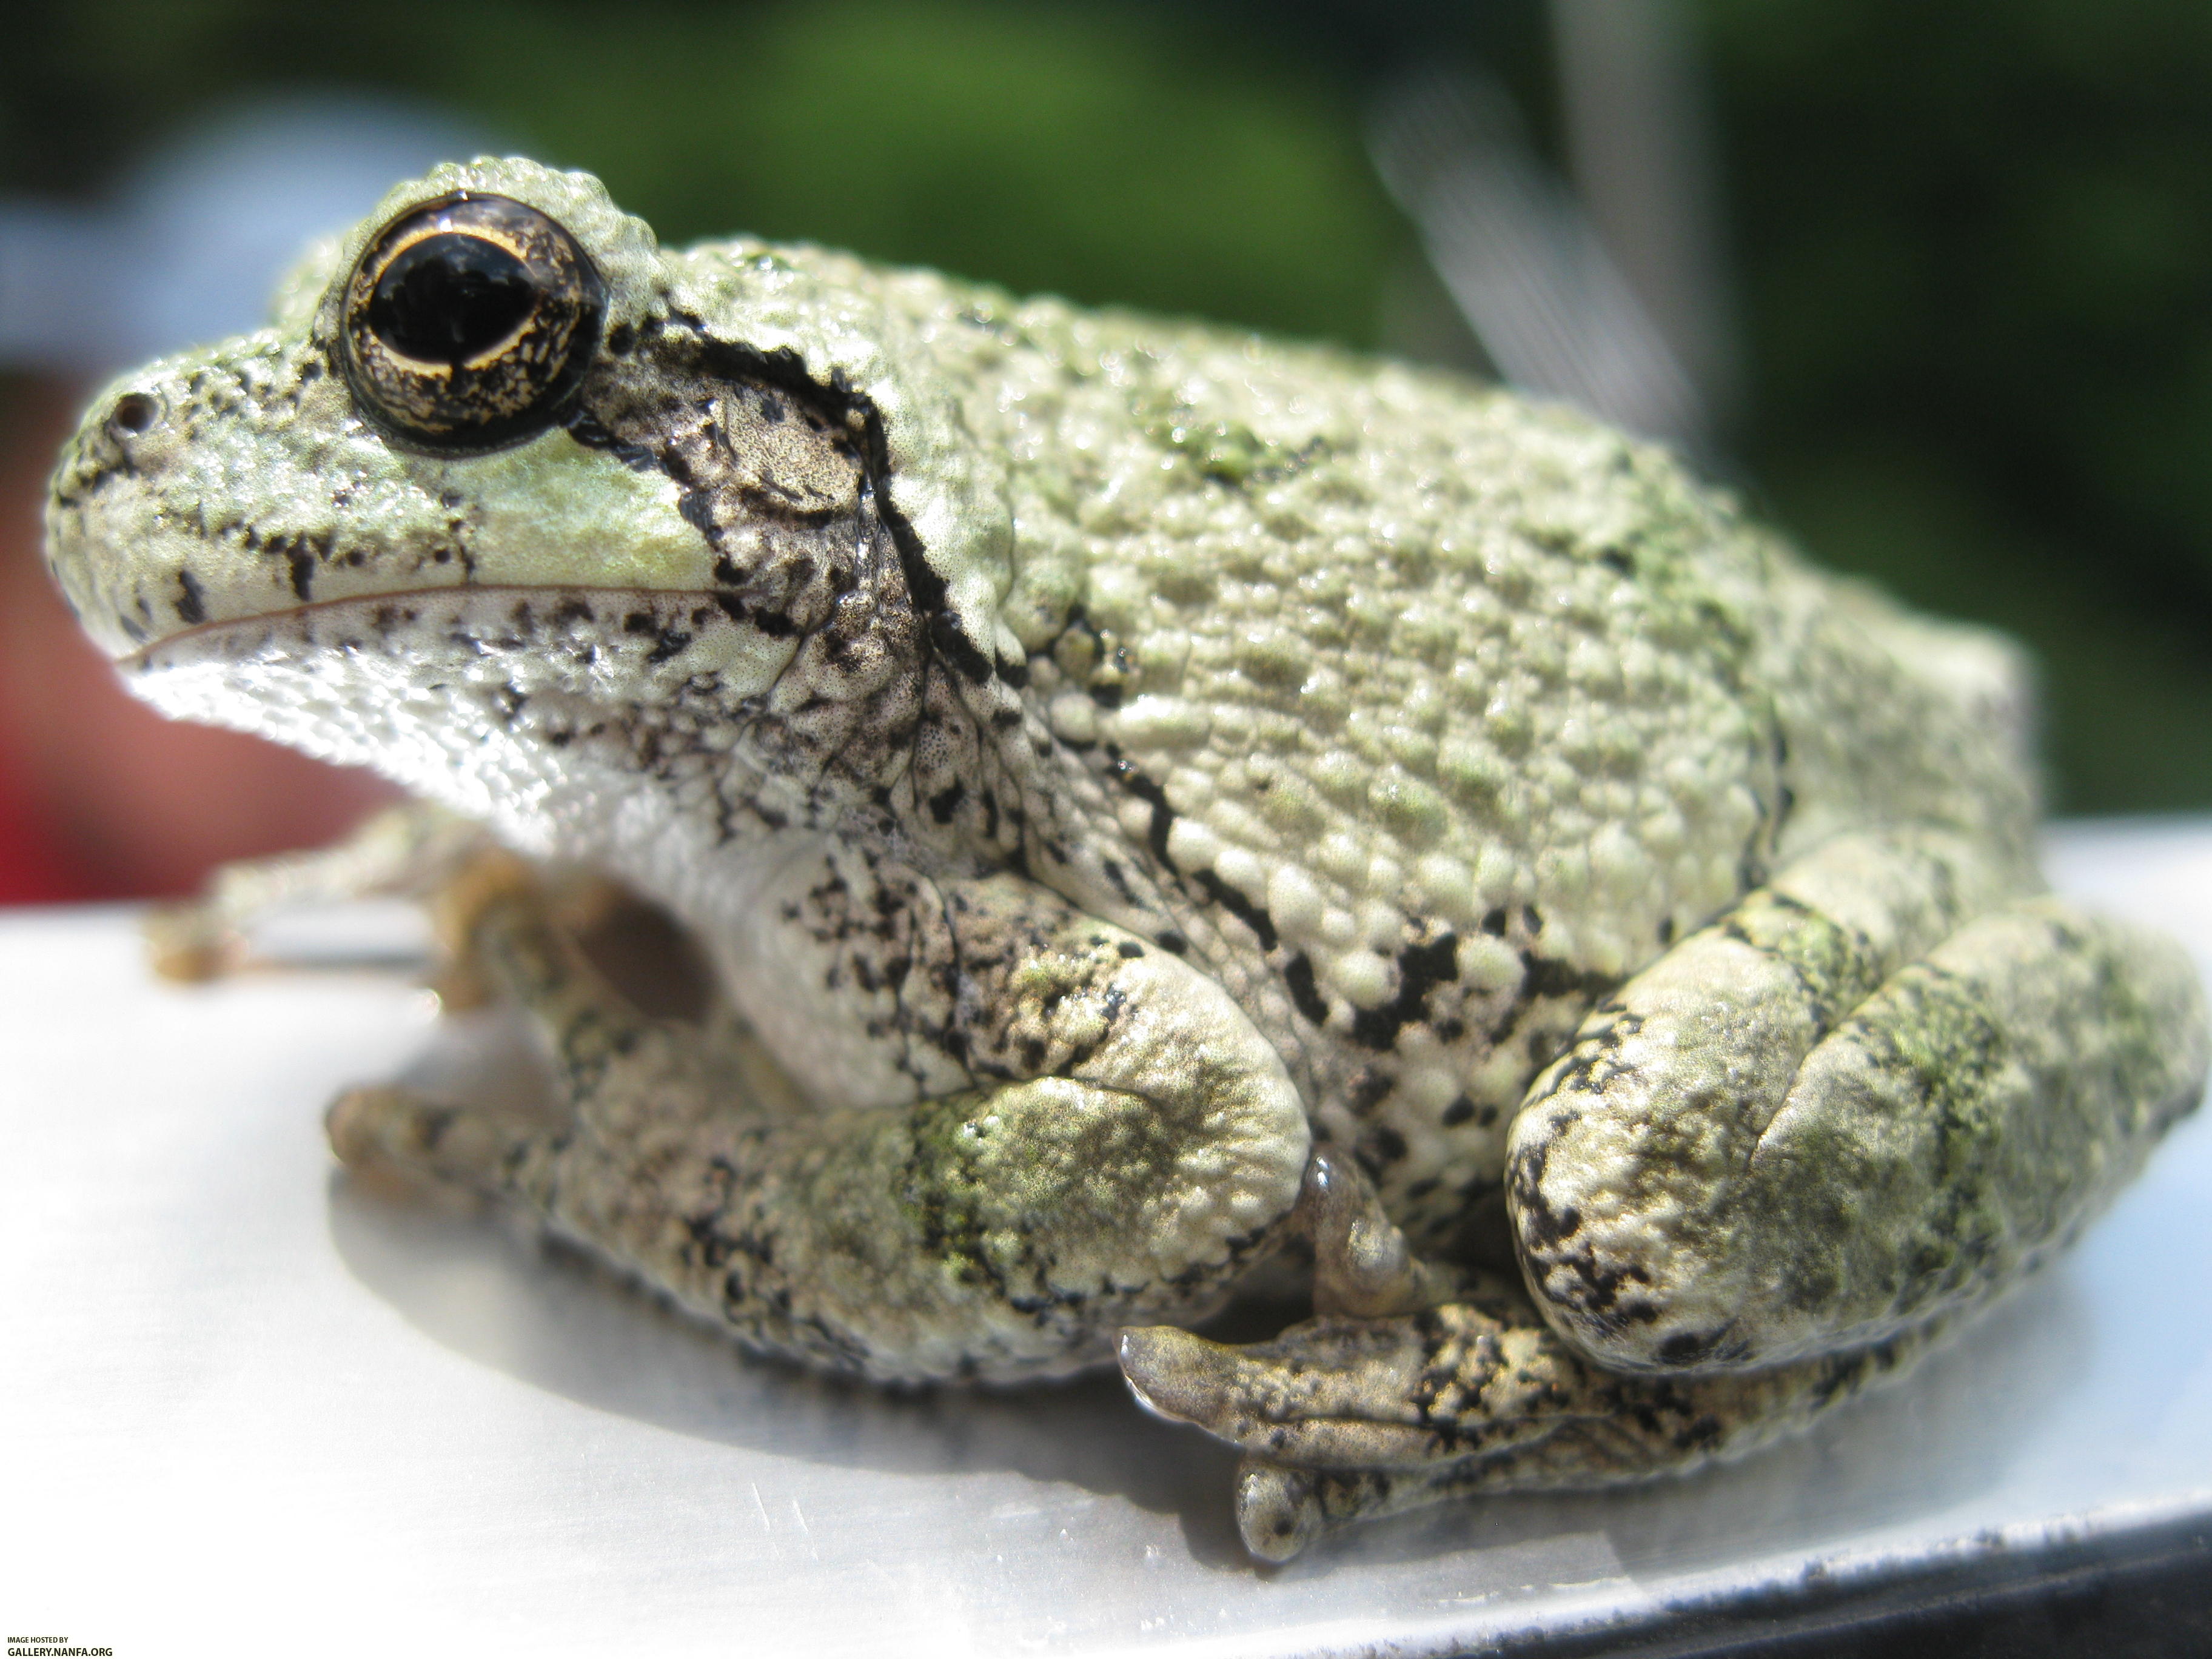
{"type": "Point", "coordinates": [1457, 1113]}
{"type": "Point", "coordinates": [1547, 976]}
{"type": "Point", "coordinates": [1129, 949]}
{"type": "Point", "coordinates": [1369, 1088]}
{"type": "Point", "coordinates": [300, 560]}
{"type": "Point", "coordinates": [1381, 1145]}
{"type": "Point", "coordinates": [841, 401]}
{"type": "Point", "coordinates": [1305, 995]}
{"type": "Point", "coordinates": [1421, 969]}
{"type": "Point", "coordinates": [1598, 1289]}
{"type": "Point", "coordinates": [1541, 1226]}
{"type": "Point", "coordinates": [1164, 816]}
{"type": "Point", "coordinates": [1172, 942]}
{"type": "Point", "coordinates": [950, 636]}
{"type": "Point", "coordinates": [826, 404]}
{"type": "Point", "coordinates": [587, 430]}
{"type": "Point", "coordinates": [946, 801]}
{"type": "Point", "coordinates": [1253, 916]}
{"type": "Point", "coordinates": [191, 608]}
{"type": "Point", "coordinates": [1687, 1347]}
{"type": "Point", "coordinates": [1118, 880]}
{"type": "Point", "coordinates": [1595, 1060]}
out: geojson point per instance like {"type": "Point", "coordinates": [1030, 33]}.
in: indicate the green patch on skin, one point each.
{"type": "Point", "coordinates": [1837, 967]}
{"type": "Point", "coordinates": [1936, 1032]}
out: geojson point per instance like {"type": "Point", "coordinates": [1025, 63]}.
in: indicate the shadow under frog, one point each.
{"type": "Point", "coordinates": [543, 1314]}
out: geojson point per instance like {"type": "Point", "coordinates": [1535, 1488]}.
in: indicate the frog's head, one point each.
{"type": "Point", "coordinates": [496, 449]}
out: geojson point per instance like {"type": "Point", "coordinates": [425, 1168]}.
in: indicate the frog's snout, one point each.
{"type": "Point", "coordinates": [103, 507]}
{"type": "Point", "coordinates": [110, 439]}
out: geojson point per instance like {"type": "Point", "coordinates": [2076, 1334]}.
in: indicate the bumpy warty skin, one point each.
{"type": "Point", "coordinates": [1423, 714]}
{"type": "Point", "coordinates": [1416, 717]}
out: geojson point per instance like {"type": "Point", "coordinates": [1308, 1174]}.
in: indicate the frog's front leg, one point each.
{"type": "Point", "coordinates": [410, 850]}
{"type": "Point", "coordinates": [414, 850]}
{"type": "Point", "coordinates": [1129, 1145]}
{"type": "Point", "coordinates": [1864, 1101]}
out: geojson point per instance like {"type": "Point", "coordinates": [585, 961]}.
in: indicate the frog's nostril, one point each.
{"type": "Point", "coordinates": [134, 412]}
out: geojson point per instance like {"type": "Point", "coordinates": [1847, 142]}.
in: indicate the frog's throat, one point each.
{"type": "Point", "coordinates": [506, 704]}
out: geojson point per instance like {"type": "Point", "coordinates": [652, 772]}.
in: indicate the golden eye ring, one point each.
{"type": "Point", "coordinates": [469, 322]}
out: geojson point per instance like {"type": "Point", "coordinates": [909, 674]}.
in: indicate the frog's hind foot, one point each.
{"type": "Point", "coordinates": [1419, 1382]}
{"type": "Point", "coordinates": [1349, 1419]}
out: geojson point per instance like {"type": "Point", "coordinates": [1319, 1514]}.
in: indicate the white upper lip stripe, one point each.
{"type": "Point", "coordinates": [409, 595]}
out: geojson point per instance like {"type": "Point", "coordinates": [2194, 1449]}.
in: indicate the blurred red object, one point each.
{"type": "Point", "coordinates": [100, 797]}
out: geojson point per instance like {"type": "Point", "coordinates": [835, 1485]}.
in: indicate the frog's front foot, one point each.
{"type": "Point", "coordinates": [414, 850]}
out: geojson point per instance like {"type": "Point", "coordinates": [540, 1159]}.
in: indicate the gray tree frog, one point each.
{"type": "Point", "coordinates": [1154, 800]}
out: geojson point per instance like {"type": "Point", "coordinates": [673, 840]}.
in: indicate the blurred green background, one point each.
{"type": "Point", "coordinates": [1972, 242]}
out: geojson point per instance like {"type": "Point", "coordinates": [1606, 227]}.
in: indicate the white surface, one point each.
{"type": "Point", "coordinates": [246, 1408]}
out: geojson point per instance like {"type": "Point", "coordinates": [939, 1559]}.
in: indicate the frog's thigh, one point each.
{"type": "Point", "coordinates": [1151, 1145]}
{"type": "Point", "coordinates": [1780, 1141]}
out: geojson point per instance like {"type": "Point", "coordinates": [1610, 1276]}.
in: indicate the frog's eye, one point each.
{"type": "Point", "coordinates": [469, 322]}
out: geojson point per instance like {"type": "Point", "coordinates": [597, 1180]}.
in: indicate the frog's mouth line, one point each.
{"type": "Point", "coordinates": [403, 609]}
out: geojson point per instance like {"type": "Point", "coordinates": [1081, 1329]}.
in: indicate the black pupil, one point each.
{"type": "Point", "coordinates": [450, 296]}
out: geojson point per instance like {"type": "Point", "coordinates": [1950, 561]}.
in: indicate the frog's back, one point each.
{"type": "Point", "coordinates": [1435, 711]}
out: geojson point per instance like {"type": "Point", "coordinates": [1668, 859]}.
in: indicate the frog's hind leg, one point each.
{"type": "Point", "coordinates": [1130, 1146]}
{"type": "Point", "coordinates": [1813, 1126]}
{"type": "Point", "coordinates": [1863, 1102]}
